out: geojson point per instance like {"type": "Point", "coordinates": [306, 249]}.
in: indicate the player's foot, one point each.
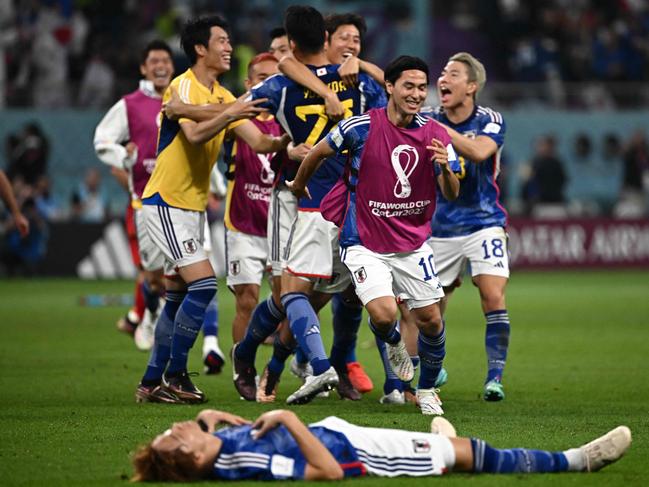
{"type": "Point", "coordinates": [606, 449]}
{"type": "Point", "coordinates": [345, 388]}
{"type": "Point", "coordinates": [267, 389]}
{"type": "Point", "coordinates": [400, 362]}
{"type": "Point", "coordinates": [244, 377]}
{"type": "Point", "coordinates": [359, 379]}
{"type": "Point", "coordinates": [410, 396]}
{"type": "Point", "coordinates": [494, 391]}
{"type": "Point", "coordinates": [429, 402]}
{"type": "Point", "coordinates": [313, 385]}
{"type": "Point", "coordinates": [213, 357]}
{"type": "Point", "coordinates": [145, 332]}
{"type": "Point", "coordinates": [128, 323]}
{"type": "Point", "coordinates": [300, 370]}
{"type": "Point", "coordinates": [442, 378]}
{"type": "Point", "coordinates": [155, 393]}
{"type": "Point", "coordinates": [181, 386]}
{"type": "Point", "coordinates": [442, 426]}
{"type": "Point", "coordinates": [394, 397]}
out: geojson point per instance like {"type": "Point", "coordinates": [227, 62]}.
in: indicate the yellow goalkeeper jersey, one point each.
{"type": "Point", "coordinates": [182, 172]}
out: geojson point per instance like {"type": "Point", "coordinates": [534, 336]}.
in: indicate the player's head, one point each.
{"type": "Point", "coordinates": [406, 81]}
{"type": "Point", "coordinates": [279, 43]}
{"type": "Point", "coordinates": [344, 36]}
{"type": "Point", "coordinates": [305, 29]}
{"type": "Point", "coordinates": [182, 453]}
{"type": "Point", "coordinates": [461, 80]}
{"type": "Point", "coordinates": [260, 67]}
{"type": "Point", "coordinates": [156, 64]}
{"type": "Point", "coordinates": [206, 40]}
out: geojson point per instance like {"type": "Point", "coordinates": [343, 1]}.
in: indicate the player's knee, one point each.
{"type": "Point", "coordinates": [247, 298]}
{"type": "Point", "coordinates": [493, 299]}
{"type": "Point", "coordinates": [384, 315]}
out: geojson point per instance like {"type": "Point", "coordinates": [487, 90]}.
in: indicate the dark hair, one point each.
{"type": "Point", "coordinates": [155, 45]}
{"type": "Point", "coordinates": [403, 63]}
{"type": "Point", "coordinates": [197, 32]}
{"type": "Point", "coordinates": [277, 32]}
{"type": "Point", "coordinates": [305, 26]}
{"type": "Point", "coordinates": [334, 21]}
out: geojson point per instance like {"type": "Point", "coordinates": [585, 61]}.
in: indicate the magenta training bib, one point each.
{"type": "Point", "coordinates": [395, 194]}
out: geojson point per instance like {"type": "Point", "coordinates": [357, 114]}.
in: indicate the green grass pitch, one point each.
{"type": "Point", "coordinates": [578, 366]}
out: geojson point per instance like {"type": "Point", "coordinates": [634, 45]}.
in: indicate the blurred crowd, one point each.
{"type": "Point", "coordinates": [81, 52]}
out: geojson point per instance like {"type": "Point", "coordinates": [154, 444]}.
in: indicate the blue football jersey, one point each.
{"type": "Point", "coordinates": [276, 455]}
{"type": "Point", "coordinates": [477, 206]}
{"type": "Point", "coordinates": [301, 113]}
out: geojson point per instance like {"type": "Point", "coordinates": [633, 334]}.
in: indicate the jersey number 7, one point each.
{"type": "Point", "coordinates": [321, 120]}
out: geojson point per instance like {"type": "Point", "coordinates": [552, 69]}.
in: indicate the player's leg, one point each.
{"type": "Point", "coordinates": [487, 250]}
{"type": "Point", "coordinates": [213, 356]}
{"type": "Point", "coordinates": [129, 322]}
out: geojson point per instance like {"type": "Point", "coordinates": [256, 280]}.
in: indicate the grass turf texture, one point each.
{"type": "Point", "coordinates": [577, 367]}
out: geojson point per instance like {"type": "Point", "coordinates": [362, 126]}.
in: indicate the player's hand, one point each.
{"type": "Point", "coordinates": [297, 152]}
{"type": "Point", "coordinates": [173, 107]}
{"type": "Point", "coordinates": [268, 421]}
{"type": "Point", "coordinates": [22, 224]}
{"type": "Point", "coordinates": [349, 70]}
{"type": "Point", "coordinates": [211, 418]}
{"type": "Point", "coordinates": [298, 191]}
{"type": "Point", "coordinates": [440, 154]}
{"type": "Point", "coordinates": [284, 141]}
{"type": "Point", "coordinates": [131, 156]}
{"type": "Point", "coordinates": [245, 109]}
{"type": "Point", "coordinates": [334, 108]}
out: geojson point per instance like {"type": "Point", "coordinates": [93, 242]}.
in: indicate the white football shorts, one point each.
{"type": "Point", "coordinates": [409, 276]}
{"type": "Point", "coordinates": [151, 256]}
{"type": "Point", "coordinates": [485, 250]}
{"type": "Point", "coordinates": [282, 211]}
{"type": "Point", "coordinates": [246, 257]}
{"type": "Point", "coordinates": [391, 452]}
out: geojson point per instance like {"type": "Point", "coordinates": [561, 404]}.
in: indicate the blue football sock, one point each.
{"type": "Point", "coordinates": [151, 299]}
{"type": "Point", "coordinates": [264, 321]}
{"type": "Point", "coordinates": [392, 382]}
{"type": "Point", "coordinates": [189, 320]}
{"type": "Point", "coordinates": [496, 343]}
{"type": "Point", "coordinates": [391, 336]}
{"type": "Point", "coordinates": [346, 321]}
{"type": "Point", "coordinates": [211, 321]}
{"type": "Point", "coordinates": [306, 329]}
{"type": "Point", "coordinates": [281, 353]}
{"type": "Point", "coordinates": [300, 356]}
{"type": "Point", "coordinates": [164, 330]}
{"type": "Point", "coordinates": [487, 459]}
{"type": "Point", "coordinates": [432, 351]}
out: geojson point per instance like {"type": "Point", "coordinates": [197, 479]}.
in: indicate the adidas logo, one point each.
{"type": "Point", "coordinates": [314, 330]}
{"type": "Point", "coordinates": [500, 264]}
{"type": "Point", "coordinates": [110, 256]}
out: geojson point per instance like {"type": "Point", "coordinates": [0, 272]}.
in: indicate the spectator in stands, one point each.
{"type": "Point", "coordinates": [27, 154]}
{"type": "Point", "coordinates": [91, 201]}
{"type": "Point", "coordinates": [582, 148]}
{"type": "Point", "coordinates": [543, 192]}
{"type": "Point", "coordinates": [635, 181]}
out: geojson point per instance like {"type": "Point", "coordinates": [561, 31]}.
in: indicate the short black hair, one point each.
{"type": "Point", "coordinates": [155, 45]}
{"type": "Point", "coordinates": [403, 63]}
{"type": "Point", "coordinates": [305, 26]}
{"type": "Point", "coordinates": [334, 21]}
{"type": "Point", "coordinates": [277, 32]}
{"type": "Point", "coordinates": [197, 32]}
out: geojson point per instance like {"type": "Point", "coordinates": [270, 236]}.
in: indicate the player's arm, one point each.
{"type": "Point", "coordinates": [321, 464]}
{"type": "Point", "coordinates": [302, 75]}
{"type": "Point", "coordinates": [209, 419]}
{"type": "Point", "coordinates": [447, 180]}
{"type": "Point", "coordinates": [476, 150]}
{"type": "Point", "coordinates": [175, 108]}
{"type": "Point", "coordinates": [110, 134]}
{"type": "Point", "coordinates": [310, 164]}
{"type": "Point", "coordinates": [350, 68]}
{"type": "Point", "coordinates": [200, 132]}
{"type": "Point", "coordinates": [121, 176]}
{"type": "Point", "coordinates": [7, 195]}
{"type": "Point", "coordinates": [258, 141]}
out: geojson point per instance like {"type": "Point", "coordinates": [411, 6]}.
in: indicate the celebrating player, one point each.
{"type": "Point", "coordinates": [384, 210]}
{"type": "Point", "coordinates": [278, 446]}
{"type": "Point", "coordinates": [470, 229]}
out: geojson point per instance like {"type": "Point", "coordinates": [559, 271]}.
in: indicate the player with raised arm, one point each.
{"type": "Point", "coordinates": [383, 207]}
{"type": "Point", "coordinates": [279, 446]}
{"type": "Point", "coordinates": [471, 228]}
{"type": "Point", "coordinates": [174, 202]}
{"type": "Point", "coordinates": [312, 254]}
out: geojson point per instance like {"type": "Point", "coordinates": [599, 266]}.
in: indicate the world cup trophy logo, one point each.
{"type": "Point", "coordinates": [410, 158]}
{"type": "Point", "coordinates": [267, 175]}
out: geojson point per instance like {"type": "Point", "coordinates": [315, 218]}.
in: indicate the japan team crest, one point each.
{"type": "Point", "coordinates": [235, 267]}
{"type": "Point", "coordinates": [420, 446]}
{"type": "Point", "coordinates": [360, 275]}
{"type": "Point", "coordinates": [190, 246]}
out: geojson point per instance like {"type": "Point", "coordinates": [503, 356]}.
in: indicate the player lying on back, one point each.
{"type": "Point", "coordinates": [279, 446]}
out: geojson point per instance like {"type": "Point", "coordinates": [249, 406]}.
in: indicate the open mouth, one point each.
{"type": "Point", "coordinates": [444, 93]}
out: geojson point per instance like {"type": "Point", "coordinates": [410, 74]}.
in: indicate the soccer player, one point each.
{"type": "Point", "coordinates": [384, 209]}
{"type": "Point", "coordinates": [471, 228]}
{"type": "Point", "coordinates": [279, 446]}
{"type": "Point", "coordinates": [279, 46]}
{"type": "Point", "coordinates": [174, 202]}
{"type": "Point", "coordinates": [125, 139]}
{"type": "Point", "coordinates": [313, 249]}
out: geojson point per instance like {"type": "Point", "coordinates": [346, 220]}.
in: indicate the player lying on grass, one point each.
{"type": "Point", "coordinates": [280, 446]}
